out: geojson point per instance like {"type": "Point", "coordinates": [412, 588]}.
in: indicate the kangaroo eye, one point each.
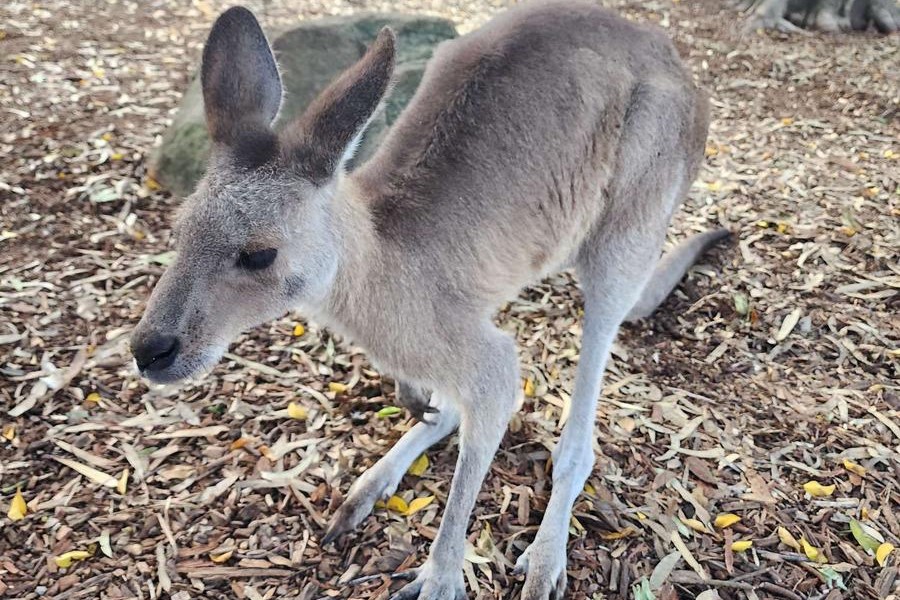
{"type": "Point", "coordinates": [258, 260]}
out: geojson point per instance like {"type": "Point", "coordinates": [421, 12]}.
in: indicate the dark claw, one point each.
{"type": "Point", "coordinates": [333, 533]}
{"type": "Point", "coordinates": [416, 400]}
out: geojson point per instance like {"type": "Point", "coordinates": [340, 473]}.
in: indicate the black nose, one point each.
{"type": "Point", "coordinates": [154, 351]}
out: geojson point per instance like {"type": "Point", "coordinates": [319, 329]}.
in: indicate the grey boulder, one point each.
{"type": "Point", "coordinates": [310, 55]}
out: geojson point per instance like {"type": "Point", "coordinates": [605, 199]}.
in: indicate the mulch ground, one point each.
{"type": "Point", "coordinates": [771, 376]}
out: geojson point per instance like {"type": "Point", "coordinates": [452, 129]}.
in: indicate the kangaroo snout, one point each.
{"type": "Point", "coordinates": [154, 352]}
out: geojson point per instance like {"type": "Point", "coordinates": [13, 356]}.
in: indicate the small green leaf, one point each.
{"type": "Point", "coordinates": [165, 258]}
{"type": "Point", "coordinates": [832, 578]}
{"type": "Point", "coordinates": [741, 304]}
{"type": "Point", "coordinates": [641, 590]}
{"type": "Point", "coordinates": [389, 411]}
{"type": "Point", "coordinates": [863, 537]}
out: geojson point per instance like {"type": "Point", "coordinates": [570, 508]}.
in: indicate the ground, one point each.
{"type": "Point", "coordinates": [774, 365]}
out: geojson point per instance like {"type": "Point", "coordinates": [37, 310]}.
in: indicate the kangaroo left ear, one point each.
{"type": "Point", "coordinates": [325, 136]}
{"type": "Point", "coordinates": [241, 86]}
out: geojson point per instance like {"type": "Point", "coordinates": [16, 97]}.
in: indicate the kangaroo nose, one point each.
{"type": "Point", "coordinates": [154, 351]}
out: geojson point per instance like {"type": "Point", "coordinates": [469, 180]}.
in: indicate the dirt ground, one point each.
{"type": "Point", "coordinates": [775, 365]}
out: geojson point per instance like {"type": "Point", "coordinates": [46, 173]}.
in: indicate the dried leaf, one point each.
{"type": "Point", "coordinates": [105, 545]}
{"type": "Point", "coordinates": [726, 520]}
{"type": "Point", "coordinates": [854, 468]}
{"type": "Point", "coordinates": [788, 540]}
{"type": "Point", "coordinates": [741, 545]}
{"type": "Point", "coordinates": [91, 473]}
{"type": "Point", "coordinates": [64, 561]}
{"type": "Point", "coordinates": [221, 557]}
{"type": "Point", "coordinates": [92, 398]}
{"type": "Point", "coordinates": [419, 466]}
{"type": "Point", "coordinates": [473, 556]}
{"type": "Point", "coordinates": [295, 411]}
{"type": "Point", "coordinates": [337, 388]}
{"type": "Point", "coordinates": [696, 525]}
{"type": "Point", "coordinates": [9, 432]}
{"type": "Point", "coordinates": [528, 387]}
{"type": "Point", "coordinates": [617, 535]}
{"type": "Point", "coordinates": [397, 504]}
{"type": "Point", "coordinates": [811, 552]}
{"type": "Point", "coordinates": [688, 557]}
{"type": "Point", "coordinates": [418, 504]}
{"type": "Point", "coordinates": [663, 569]}
{"type": "Point", "coordinates": [817, 490]}
{"type": "Point", "coordinates": [17, 508]}
{"type": "Point", "coordinates": [787, 326]}
{"type": "Point", "coordinates": [122, 484]}
{"type": "Point", "coordinates": [882, 553]}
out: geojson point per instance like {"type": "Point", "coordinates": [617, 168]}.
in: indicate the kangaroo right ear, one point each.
{"type": "Point", "coordinates": [325, 136]}
{"type": "Point", "coordinates": [241, 85]}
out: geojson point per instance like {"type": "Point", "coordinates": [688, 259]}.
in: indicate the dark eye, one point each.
{"type": "Point", "coordinates": [258, 260]}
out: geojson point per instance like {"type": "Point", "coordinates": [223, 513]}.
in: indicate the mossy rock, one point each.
{"type": "Point", "coordinates": [310, 55]}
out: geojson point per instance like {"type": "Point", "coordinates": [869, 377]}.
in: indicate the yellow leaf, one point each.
{"type": "Point", "coordinates": [397, 504]}
{"type": "Point", "coordinates": [864, 514]}
{"type": "Point", "coordinates": [267, 452]}
{"type": "Point", "coordinates": [714, 186]}
{"type": "Point", "coordinates": [92, 398]}
{"type": "Point", "coordinates": [889, 154]}
{"type": "Point", "coordinates": [882, 553]}
{"type": "Point", "coordinates": [817, 490]}
{"type": "Point", "coordinates": [696, 525]}
{"type": "Point", "coordinates": [811, 552]}
{"type": "Point", "coordinates": [336, 387]}
{"type": "Point", "coordinates": [116, 156]}
{"type": "Point", "coordinates": [787, 121]}
{"type": "Point", "coordinates": [788, 540]}
{"type": "Point", "coordinates": [9, 432]}
{"type": "Point", "coordinates": [726, 520]}
{"type": "Point", "coordinates": [741, 546]}
{"type": "Point", "coordinates": [711, 150]}
{"type": "Point", "coordinates": [64, 561]}
{"type": "Point", "coordinates": [238, 443]}
{"type": "Point", "coordinates": [528, 388]}
{"type": "Point", "coordinates": [418, 504]}
{"type": "Point", "coordinates": [782, 227]}
{"type": "Point", "coordinates": [641, 516]}
{"type": "Point", "coordinates": [590, 491]}
{"type": "Point", "coordinates": [122, 484]}
{"type": "Point", "coordinates": [17, 508]}
{"type": "Point", "coordinates": [295, 411]}
{"type": "Point", "coordinates": [220, 558]}
{"type": "Point", "coordinates": [152, 185]}
{"type": "Point", "coordinates": [419, 466]}
{"type": "Point", "coordinates": [854, 468]}
{"type": "Point", "coordinates": [299, 330]}
{"type": "Point", "coordinates": [617, 535]}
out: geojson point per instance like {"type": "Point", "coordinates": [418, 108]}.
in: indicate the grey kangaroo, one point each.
{"type": "Point", "coordinates": [558, 135]}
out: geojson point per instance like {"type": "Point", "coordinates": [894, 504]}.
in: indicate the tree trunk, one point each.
{"type": "Point", "coordinates": [823, 15]}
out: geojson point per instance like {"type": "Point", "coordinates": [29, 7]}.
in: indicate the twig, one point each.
{"type": "Point", "coordinates": [778, 591]}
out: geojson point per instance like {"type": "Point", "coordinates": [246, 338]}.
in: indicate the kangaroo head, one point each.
{"type": "Point", "coordinates": [258, 236]}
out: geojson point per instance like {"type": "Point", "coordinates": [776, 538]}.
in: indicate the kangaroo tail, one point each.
{"type": "Point", "coordinates": [671, 268]}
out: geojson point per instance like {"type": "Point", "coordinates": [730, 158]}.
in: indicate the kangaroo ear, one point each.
{"type": "Point", "coordinates": [241, 84]}
{"type": "Point", "coordinates": [325, 136]}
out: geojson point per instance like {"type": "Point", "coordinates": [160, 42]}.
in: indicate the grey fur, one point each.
{"type": "Point", "coordinates": [558, 135]}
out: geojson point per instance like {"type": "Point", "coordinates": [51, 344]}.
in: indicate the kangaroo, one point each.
{"type": "Point", "coordinates": [559, 135]}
